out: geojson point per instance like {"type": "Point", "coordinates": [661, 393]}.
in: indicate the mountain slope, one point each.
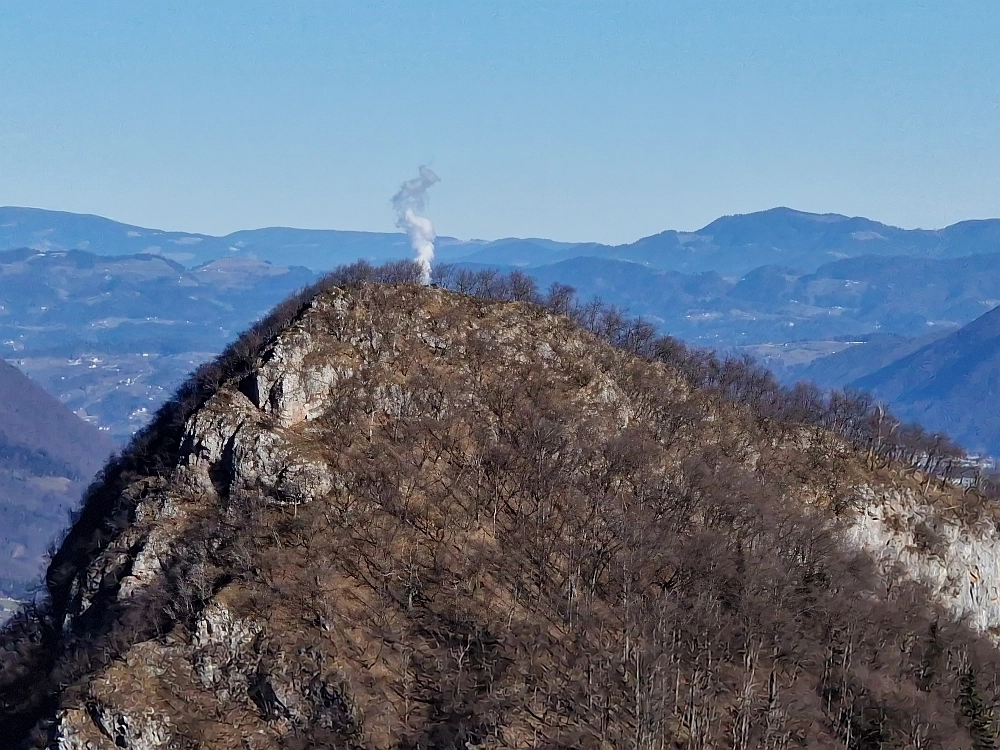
{"type": "Point", "coordinates": [858, 360]}
{"type": "Point", "coordinates": [950, 385]}
{"type": "Point", "coordinates": [47, 457]}
{"type": "Point", "coordinates": [395, 516]}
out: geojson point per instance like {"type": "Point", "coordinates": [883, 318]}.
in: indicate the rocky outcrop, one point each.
{"type": "Point", "coordinates": [957, 560]}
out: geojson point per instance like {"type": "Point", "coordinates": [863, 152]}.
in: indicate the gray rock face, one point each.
{"type": "Point", "coordinates": [222, 650]}
{"type": "Point", "coordinates": [959, 562]}
{"type": "Point", "coordinates": [137, 730]}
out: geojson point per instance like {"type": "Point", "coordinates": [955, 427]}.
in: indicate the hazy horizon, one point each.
{"type": "Point", "coordinates": [394, 230]}
{"type": "Point", "coordinates": [596, 121]}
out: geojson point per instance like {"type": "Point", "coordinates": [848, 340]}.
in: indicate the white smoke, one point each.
{"type": "Point", "coordinates": [411, 198]}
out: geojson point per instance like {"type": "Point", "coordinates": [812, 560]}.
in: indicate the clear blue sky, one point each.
{"type": "Point", "coordinates": [575, 120]}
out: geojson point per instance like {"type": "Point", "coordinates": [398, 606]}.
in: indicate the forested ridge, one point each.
{"type": "Point", "coordinates": [481, 516]}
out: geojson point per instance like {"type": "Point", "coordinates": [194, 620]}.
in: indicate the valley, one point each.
{"type": "Point", "coordinates": [117, 392]}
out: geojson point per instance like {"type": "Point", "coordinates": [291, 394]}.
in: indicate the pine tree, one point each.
{"type": "Point", "coordinates": [981, 722]}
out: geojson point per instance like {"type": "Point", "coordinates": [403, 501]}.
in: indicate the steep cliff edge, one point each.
{"type": "Point", "coordinates": [412, 518]}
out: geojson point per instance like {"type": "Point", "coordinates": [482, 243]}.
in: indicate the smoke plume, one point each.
{"type": "Point", "coordinates": [411, 198]}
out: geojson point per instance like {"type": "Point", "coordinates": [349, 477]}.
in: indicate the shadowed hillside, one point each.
{"type": "Point", "coordinates": [952, 384]}
{"type": "Point", "coordinates": [47, 457]}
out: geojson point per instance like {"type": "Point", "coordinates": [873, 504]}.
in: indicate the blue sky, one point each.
{"type": "Point", "coordinates": [577, 120]}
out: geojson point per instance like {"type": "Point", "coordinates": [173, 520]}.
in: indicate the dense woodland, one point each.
{"type": "Point", "coordinates": [521, 570]}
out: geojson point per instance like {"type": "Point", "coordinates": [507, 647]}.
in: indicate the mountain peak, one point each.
{"type": "Point", "coordinates": [398, 516]}
{"type": "Point", "coordinates": [779, 217]}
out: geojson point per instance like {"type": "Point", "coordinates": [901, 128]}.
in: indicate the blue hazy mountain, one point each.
{"type": "Point", "coordinates": [805, 241]}
{"type": "Point", "coordinates": [730, 246]}
{"type": "Point", "coordinates": [48, 455]}
{"type": "Point", "coordinates": [313, 248]}
{"type": "Point", "coordinates": [951, 384]}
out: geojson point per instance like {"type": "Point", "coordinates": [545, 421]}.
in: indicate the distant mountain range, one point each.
{"type": "Point", "coordinates": [730, 246]}
{"type": "Point", "coordinates": [805, 241]}
{"type": "Point", "coordinates": [110, 316]}
{"type": "Point", "coordinates": [775, 276]}
{"type": "Point", "coordinates": [48, 455]}
{"type": "Point", "coordinates": [852, 298]}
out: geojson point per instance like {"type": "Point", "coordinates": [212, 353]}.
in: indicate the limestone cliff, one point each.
{"type": "Point", "coordinates": [957, 559]}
